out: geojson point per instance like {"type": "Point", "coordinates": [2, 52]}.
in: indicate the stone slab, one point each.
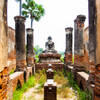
{"type": "Point", "coordinates": [82, 80]}
{"type": "Point", "coordinates": [17, 78]}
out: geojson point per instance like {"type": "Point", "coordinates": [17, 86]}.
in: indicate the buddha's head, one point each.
{"type": "Point", "coordinates": [49, 38]}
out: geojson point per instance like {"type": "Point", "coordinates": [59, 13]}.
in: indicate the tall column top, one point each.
{"type": "Point", "coordinates": [81, 18]}
{"type": "Point", "coordinates": [68, 30]}
{"type": "Point", "coordinates": [21, 18]}
{"type": "Point", "coordinates": [29, 30]}
{"type": "Point", "coordinates": [75, 20]}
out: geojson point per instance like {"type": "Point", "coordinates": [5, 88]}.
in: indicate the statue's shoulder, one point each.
{"type": "Point", "coordinates": [46, 43]}
{"type": "Point", "coordinates": [53, 43]}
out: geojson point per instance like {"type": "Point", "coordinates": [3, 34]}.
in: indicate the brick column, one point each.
{"type": "Point", "coordinates": [20, 43]}
{"type": "Point", "coordinates": [94, 15]}
{"type": "Point", "coordinates": [91, 40]}
{"type": "Point", "coordinates": [68, 51]}
{"type": "Point", "coordinates": [78, 40]}
{"type": "Point", "coordinates": [30, 51]}
{"type": "Point", "coordinates": [78, 45]}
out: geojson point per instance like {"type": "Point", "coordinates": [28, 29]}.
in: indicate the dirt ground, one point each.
{"type": "Point", "coordinates": [37, 94]}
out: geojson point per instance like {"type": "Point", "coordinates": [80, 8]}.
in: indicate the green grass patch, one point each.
{"type": "Point", "coordinates": [82, 95]}
{"type": "Point", "coordinates": [11, 72]}
{"type": "Point", "coordinates": [17, 95]}
{"type": "Point", "coordinates": [73, 58]}
{"type": "Point", "coordinates": [62, 58]}
{"type": "Point", "coordinates": [40, 78]}
{"type": "Point", "coordinates": [37, 58]}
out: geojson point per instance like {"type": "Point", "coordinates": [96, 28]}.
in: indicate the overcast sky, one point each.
{"type": "Point", "coordinates": [59, 14]}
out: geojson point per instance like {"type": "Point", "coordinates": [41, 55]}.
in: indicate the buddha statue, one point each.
{"type": "Point", "coordinates": [49, 46]}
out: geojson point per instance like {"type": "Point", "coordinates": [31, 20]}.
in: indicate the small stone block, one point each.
{"type": "Point", "coordinates": [50, 91]}
{"type": "Point", "coordinates": [50, 74]}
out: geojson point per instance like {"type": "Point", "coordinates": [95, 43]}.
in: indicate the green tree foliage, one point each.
{"type": "Point", "coordinates": [38, 50]}
{"type": "Point", "coordinates": [20, 6]}
{"type": "Point", "coordinates": [32, 10]}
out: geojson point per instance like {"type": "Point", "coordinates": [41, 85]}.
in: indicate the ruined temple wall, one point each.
{"type": "Point", "coordinates": [3, 35]}
{"type": "Point", "coordinates": [86, 48]}
{"type": "Point", "coordinates": [97, 59]}
{"type": "Point", "coordinates": [94, 34]}
{"type": "Point", "coordinates": [11, 49]}
{"type": "Point", "coordinates": [3, 50]}
{"type": "Point", "coordinates": [97, 50]}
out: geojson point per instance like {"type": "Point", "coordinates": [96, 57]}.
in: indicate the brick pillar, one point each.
{"type": "Point", "coordinates": [91, 40]}
{"type": "Point", "coordinates": [20, 43]}
{"type": "Point", "coordinates": [94, 15]}
{"type": "Point", "coordinates": [68, 51]}
{"type": "Point", "coordinates": [78, 44]}
{"type": "Point", "coordinates": [30, 51]}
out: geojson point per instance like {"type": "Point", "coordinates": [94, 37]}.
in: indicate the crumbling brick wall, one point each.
{"type": "Point", "coordinates": [3, 50]}
{"type": "Point", "coordinates": [94, 29]}
{"type": "Point", "coordinates": [97, 50]}
{"type": "Point", "coordinates": [4, 77]}
{"type": "Point", "coordinates": [3, 35]}
{"type": "Point", "coordinates": [11, 49]}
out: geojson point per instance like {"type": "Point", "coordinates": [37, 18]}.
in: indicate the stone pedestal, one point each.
{"type": "Point", "coordinates": [49, 56]}
{"type": "Point", "coordinates": [46, 59]}
{"type": "Point", "coordinates": [50, 91]}
{"type": "Point", "coordinates": [68, 51]}
{"type": "Point", "coordinates": [78, 44]}
{"type": "Point", "coordinates": [30, 52]}
{"type": "Point", "coordinates": [20, 43]}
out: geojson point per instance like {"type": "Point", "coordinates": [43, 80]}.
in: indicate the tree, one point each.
{"type": "Point", "coordinates": [38, 50]}
{"type": "Point", "coordinates": [20, 7]}
{"type": "Point", "coordinates": [32, 10]}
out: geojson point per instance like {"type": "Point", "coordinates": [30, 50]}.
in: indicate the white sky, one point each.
{"type": "Point", "coordinates": [59, 14]}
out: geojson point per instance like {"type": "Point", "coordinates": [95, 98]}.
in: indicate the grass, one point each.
{"type": "Point", "coordinates": [59, 78]}
{"type": "Point", "coordinates": [19, 92]}
{"type": "Point", "coordinates": [37, 58]}
{"type": "Point", "coordinates": [73, 58]}
{"type": "Point", "coordinates": [40, 78]}
{"type": "Point", "coordinates": [63, 89]}
{"type": "Point", "coordinates": [11, 72]}
{"type": "Point", "coordinates": [62, 58]}
{"type": "Point", "coordinates": [63, 86]}
{"type": "Point", "coordinates": [82, 95]}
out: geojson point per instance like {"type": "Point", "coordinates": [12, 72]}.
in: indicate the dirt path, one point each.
{"type": "Point", "coordinates": [37, 94]}
{"type": "Point", "coordinates": [32, 94]}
